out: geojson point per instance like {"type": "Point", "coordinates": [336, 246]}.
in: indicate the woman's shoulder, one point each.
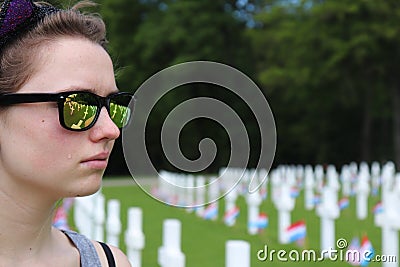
{"type": "Point", "coordinates": [121, 260]}
{"type": "Point", "coordinates": [83, 243]}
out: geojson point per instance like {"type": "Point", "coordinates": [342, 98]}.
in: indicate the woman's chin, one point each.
{"type": "Point", "coordinates": [89, 187]}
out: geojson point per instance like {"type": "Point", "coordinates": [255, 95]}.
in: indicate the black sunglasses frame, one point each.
{"type": "Point", "coordinates": [60, 98]}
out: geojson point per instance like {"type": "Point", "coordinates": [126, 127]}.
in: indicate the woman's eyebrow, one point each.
{"type": "Point", "coordinates": [84, 89]}
{"type": "Point", "coordinates": [77, 88]}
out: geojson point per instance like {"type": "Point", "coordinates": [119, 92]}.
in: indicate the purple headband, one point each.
{"type": "Point", "coordinates": [19, 16]}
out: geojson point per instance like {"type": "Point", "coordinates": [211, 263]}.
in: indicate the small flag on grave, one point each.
{"type": "Point", "coordinates": [231, 215]}
{"type": "Point", "coordinates": [60, 219]}
{"type": "Point", "coordinates": [378, 208]}
{"type": "Point", "coordinates": [261, 222]}
{"type": "Point", "coordinates": [317, 199]}
{"type": "Point", "coordinates": [353, 252]}
{"type": "Point", "coordinates": [263, 193]}
{"type": "Point", "coordinates": [375, 191]}
{"type": "Point", "coordinates": [294, 192]}
{"type": "Point", "coordinates": [211, 212]}
{"type": "Point", "coordinates": [367, 251]}
{"type": "Point", "coordinates": [344, 203]}
{"type": "Point", "coordinates": [360, 255]}
{"type": "Point", "coordinates": [296, 231]}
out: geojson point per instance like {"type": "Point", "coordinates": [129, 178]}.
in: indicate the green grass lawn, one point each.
{"type": "Point", "coordinates": [203, 242]}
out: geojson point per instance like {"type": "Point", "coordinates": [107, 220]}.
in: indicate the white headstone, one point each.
{"type": "Point", "coordinates": [362, 192]}
{"type": "Point", "coordinates": [200, 195]}
{"type": "Point", "coordinates": [190, 190]}
{"type": "Point", "coordinates": [253, 211]}
{"type": "Point", "coordinates": [134, 237]}
{"type": "Point", "coordinates": [389, 221]}
{"type": "Point", "coordinates": [328, 211]}
{"type": "Point", "coordinates": [346, 181]}
{"type": "Point", "coordinates": [237, 253]}
{"type": "Point", "coordinates": [284, 205]}
{"type": "Point", "coordinates": [99, 216]}
{"type": "Point", "coordinates": [113, 223]}
{"type": "Point", "coordinates": [230, 204]}
{"type": "Point", "coordinates": [375, 177]}
{"type": "Point", "coordinates": [319, 177]}
{"type": "Point", "coordinates": [170, 254]}
{"type": "Point", "coordinates": [309, 188]}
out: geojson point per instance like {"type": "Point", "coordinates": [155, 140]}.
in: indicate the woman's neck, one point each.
{"type": "Point", "coordinates": [25, 225]}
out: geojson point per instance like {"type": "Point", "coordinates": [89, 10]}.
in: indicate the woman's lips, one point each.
{"type": "Point", "coordinates": [98, 161]}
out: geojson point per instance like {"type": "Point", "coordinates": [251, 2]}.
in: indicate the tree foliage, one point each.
{"type": "Point", "coordinates": [327, 67]}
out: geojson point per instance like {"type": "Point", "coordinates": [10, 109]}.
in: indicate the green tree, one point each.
{"type": "Point", "coordinates": [186, 31]}
{"type": "Point", "coordinates": [327, 69]}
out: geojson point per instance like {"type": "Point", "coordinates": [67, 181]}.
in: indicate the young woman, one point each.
{"type": "Point", "coordinates": [60, 113]}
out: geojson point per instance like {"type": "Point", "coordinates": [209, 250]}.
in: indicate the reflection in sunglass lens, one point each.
{"type": "Point", "coordinates": [119, 110]}
{"type": "Point", "coordinates": [79, 110]}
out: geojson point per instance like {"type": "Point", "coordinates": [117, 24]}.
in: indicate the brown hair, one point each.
{"type": "Point", "coordinates": [19, 58]}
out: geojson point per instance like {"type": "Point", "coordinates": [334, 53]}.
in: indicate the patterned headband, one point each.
{"type": "Point", "coordinates": [19, 16]}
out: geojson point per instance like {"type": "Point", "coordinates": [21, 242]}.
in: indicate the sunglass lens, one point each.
{"type": "Point", "coordinates": [79, 110]}
{"type": "Point", "coordinates": [120, 111]}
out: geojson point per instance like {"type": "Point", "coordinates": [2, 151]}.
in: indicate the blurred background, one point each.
{"type": "Point", "coordinates": [328, 68]}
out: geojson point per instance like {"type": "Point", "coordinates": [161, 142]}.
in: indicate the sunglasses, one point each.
{"type": "Point", "coordinates": [79, 110]}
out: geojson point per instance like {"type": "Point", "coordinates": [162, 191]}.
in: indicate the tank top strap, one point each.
{"type": "Point", "coordinates": [87, 251]}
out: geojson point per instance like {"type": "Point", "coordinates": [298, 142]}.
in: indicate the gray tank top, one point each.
{"type": "Point", "coordinates": [88, 254]}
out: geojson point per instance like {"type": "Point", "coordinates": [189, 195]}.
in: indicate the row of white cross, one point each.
{"type": "Point", "coordinates": [93, 220]}
{"type": "Point", "coordinates": [360, 181]}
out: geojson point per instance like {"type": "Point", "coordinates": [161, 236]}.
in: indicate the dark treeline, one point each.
{"type": "Point", "coordinates": [329, 69]}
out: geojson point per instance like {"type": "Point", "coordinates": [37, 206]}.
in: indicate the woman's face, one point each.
{"type": "Point", "coordinates": [36, 153]}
